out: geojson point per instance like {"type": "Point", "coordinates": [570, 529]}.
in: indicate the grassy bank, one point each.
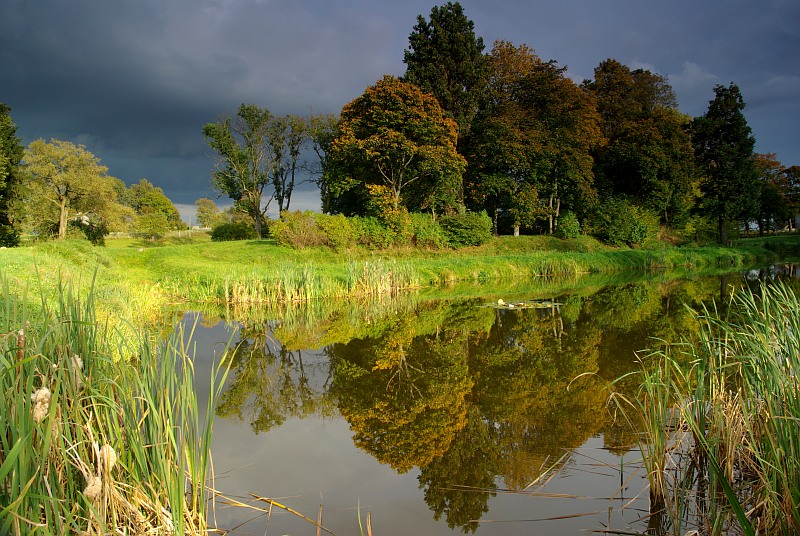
{"type": "Point", "coordinates": [136, 279]}
{"type": "Point", "coordinates": [103, 433]}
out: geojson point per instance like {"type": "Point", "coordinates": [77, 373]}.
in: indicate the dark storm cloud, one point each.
{"type": "Point", "coordinates": [135, 80]}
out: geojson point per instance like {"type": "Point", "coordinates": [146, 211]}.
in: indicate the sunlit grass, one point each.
{"type": "Point", "coordinates": [103, 432]}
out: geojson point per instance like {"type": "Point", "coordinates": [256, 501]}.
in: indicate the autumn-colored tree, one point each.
{"type": "Point", "coordinates": [445, 58]}
{"type": "Point", "coordinates": [11, 153]}
{"type": "Point", "coordinates": [774, 208]}
{"type": "Point", "coordinates": [66, 182]}
{"type": "Point", "coordinates": [648, 154]}
{"type": "Point", "coordinates": [723, 144]}
{"type": "Point", "coordinates": [395, 136]}
{"type": "Point", "coordinates": [533, 134]}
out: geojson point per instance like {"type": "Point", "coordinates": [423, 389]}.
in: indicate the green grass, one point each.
{"type": "Point", "coordinates": [102, 431]}
{"type": "Point", "coordinates": [138, 280]}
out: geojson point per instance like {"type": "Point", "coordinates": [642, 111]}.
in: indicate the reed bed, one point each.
{"type": "Point", "coordinates": [721, 420]}
{"type": "Point", "coordinates": [102, 433]}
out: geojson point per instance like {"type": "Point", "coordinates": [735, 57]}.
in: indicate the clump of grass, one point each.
{"type": "Point", "coordinates": [103, 433]}
{"type": "Point", "coordinates": [721, 418]}
{"type": "Point", "coordinates": [378, 277]}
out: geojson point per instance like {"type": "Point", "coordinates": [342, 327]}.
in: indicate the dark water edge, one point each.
{"type": "Point", "coordinates": [503, 439]}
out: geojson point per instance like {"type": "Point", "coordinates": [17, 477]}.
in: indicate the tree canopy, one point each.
{"type": "Point", "coordinates": [723, 144]}
{"type": "Point", "coordinates": [445, 58]}
{"type": "Point", "coordinates": [11, 153]}
{"type": "Point", "coordinates": [68, 183]}
{"type": "Point", "coordinates": [393, 136]}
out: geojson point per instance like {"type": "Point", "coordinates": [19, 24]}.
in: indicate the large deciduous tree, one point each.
{"type": "Point", "coordinates": [723, 144]}
{"type": "Point", "coordinates": [322, 130]}
{"type": "Point", "coordinates": [244, 167]}
{"type": "Point", "coordinates": [446, 59]}
{"type": "Point", "coordinates": [390, 138]}
{"type": "Point", "coordinates": [11, 153]}
{"type": "Point", "coordinates": [529, 150]}
{"type": "Point", "coordinates": [648, 155]}
{"type": "Point", "coordinates": [67, 182]}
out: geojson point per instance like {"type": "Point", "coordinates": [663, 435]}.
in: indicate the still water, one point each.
{"type": "Point", "coordinates": [441, 415]}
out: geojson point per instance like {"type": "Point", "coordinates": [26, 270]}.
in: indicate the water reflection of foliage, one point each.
{"type": "Point", "coordinates": [468, 394]}
{"type": "Point", "coordinates": [269, 383]}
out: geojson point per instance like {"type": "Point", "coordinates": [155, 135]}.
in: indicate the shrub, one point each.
{"type": "Point", "coordinates": [568, 225]}
{"type": "Point", "coordinates": [468, 229]}
{"type": "Point", "coordinates": [233, 231]}
{"type": "Point", "coordinates": [372, 233]}
{"type": "Point", "coordinates": [427, 232]}
{"type": "Point", "coordinates": [618, 222]}
{"type": "Point", "coordinates": [336, 231]}
{"type": "Point", "coordinates": [296, 229]}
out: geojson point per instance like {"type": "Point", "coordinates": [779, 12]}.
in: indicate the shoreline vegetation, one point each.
{"type": "Point", "coordinates": [94, 446]}
{"type": "Point", "coordinates": [139, 279]}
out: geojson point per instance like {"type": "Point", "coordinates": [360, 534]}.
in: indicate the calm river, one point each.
{"type": "Point", "coordinates": [439, 415]}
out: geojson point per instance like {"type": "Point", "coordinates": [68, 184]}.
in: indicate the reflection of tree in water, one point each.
{"type": "Point", "coordinates": [403, 395]}
{"type": "Point", "coordinates": [268, 383]}
{"type": "Point", "coordinates": [467, 394]}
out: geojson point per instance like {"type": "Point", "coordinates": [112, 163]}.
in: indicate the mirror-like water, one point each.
{"type": "Point", "coordinates": [463, 414]}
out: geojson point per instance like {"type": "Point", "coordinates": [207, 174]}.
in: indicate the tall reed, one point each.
{"type": "Point", "coordinates": [721, 437]}
{"type": "Point", "coordinates": [102, 434]}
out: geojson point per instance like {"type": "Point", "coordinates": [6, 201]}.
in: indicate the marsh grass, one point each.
{"type": "Point", "coordinates": [103, 433]}
{"type": "Point", "coordinates": [721, 420]}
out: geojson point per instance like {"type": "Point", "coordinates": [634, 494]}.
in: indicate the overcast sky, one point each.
{"type": "Point", "coordinates": [136, 80]}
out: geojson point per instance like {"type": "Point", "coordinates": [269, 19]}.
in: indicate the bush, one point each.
{"type": "Point", "coordinates": [468, 229]}
{"type": "Point", "coordinates": [427, 232]}
{"type": "Point", "coordinates": [568, 225]}
{"type": "Point", "coordinates": [618, 222]}
{"type": "Point", "coordinates": [296, 229]}
{"type": "Point", "coordinates": [233, 231]}
{"type": "Point", "coordinates": [337, 231]}
{"type": "Point", "coordinates": [372, 233]}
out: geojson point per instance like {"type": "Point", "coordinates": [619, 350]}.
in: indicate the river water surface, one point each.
{"type": "Point", "coordinates": [484, 414]}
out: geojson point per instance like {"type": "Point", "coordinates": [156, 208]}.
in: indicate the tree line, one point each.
{"type": "Point", "coordinates": [509, 133]}
{"type": "Point", "coordinates": [463, 131]}
{"type": "Point", "coordinates": [58, 189]}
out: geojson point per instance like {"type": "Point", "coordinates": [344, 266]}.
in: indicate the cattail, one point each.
{"type": "Point", "coordinates": [20, 344]}
{"type": "Point", "coordinates": [94, 485]}
{"type": "Point", "coordinates": [108, 458]}
{"type": "Point", "coordinates": [77, 370]}
{"type": "Point", "coordinates": [41, 403]}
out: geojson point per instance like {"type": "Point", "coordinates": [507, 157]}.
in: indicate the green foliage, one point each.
{"type": "Point", "coordinates": [618, 222]}
{"type": "Point", "coordinates": [724, 145]}
{"type": "Point", "coordinates": [296, 229]}
{"type": "Point", "coordinates": [427, 232]}
{"type": "Point", "coordinates": [445, 58]}
{"type": "Point", "coordinates": [11, 153]}
{"type": "Point", "coordinates": [396, 140]}
{"type": "Point", "coordinates": [467, 229]}
{"type": "Point", "coordinates": [95, 232]}
{"type": "Point", "coordinates": [149, 200]}
{"type": "Point", "coordinates": [568, 225]}
{"type": "Point", "coordinates": [373, 233]}
{"type": "Point", "coordinates": [233, 231]}
{"type": "Point", "coordinates": [338, 231]}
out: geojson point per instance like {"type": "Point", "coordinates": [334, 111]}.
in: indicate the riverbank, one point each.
{"type": "Point", "coordinates": [138, 279]}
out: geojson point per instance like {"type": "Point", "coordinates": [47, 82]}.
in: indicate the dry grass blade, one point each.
{"type": "Point", "coordinates": [290, 510]}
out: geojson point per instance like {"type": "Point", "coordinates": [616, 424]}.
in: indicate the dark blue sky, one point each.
{"type": "Point", "coordinates": [135, 80]}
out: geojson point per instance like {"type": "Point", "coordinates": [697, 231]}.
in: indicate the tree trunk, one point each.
{"type": "Point", "coordinates": [516, 229]}
{"type": "Point", "coordinates": [62, 219]}
{"type": "Point", "coordinates": [723, 231]}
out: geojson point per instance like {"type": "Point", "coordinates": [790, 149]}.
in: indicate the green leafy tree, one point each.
{"type": "Point", "coordinates": [67, 182]}
{"type": "Point", "coordinates": [445, 58]}
{"type": "Point", "coordinates": [723, 144]}
{"type": "Point", "coordinates": [208, 215]}
{"type": "Point", "coordinates": [11, 153]}
{"type": "Point", "coordinates": [148, 200]}
{"type": "Point", "coordinates": [648, 154]}
{"type": "Point", "coordinates": [774, 194]}
{"type": "Point", "coordinates": [245, 164]}
{"type": "Point", "coordinates": [322, 130]}
{"type": "Point", "coordinates": [390, 138]}
{"type": "Point", "coordinates": [529, 151]}
{"type": "Point", "coordinates": [287, 137]}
